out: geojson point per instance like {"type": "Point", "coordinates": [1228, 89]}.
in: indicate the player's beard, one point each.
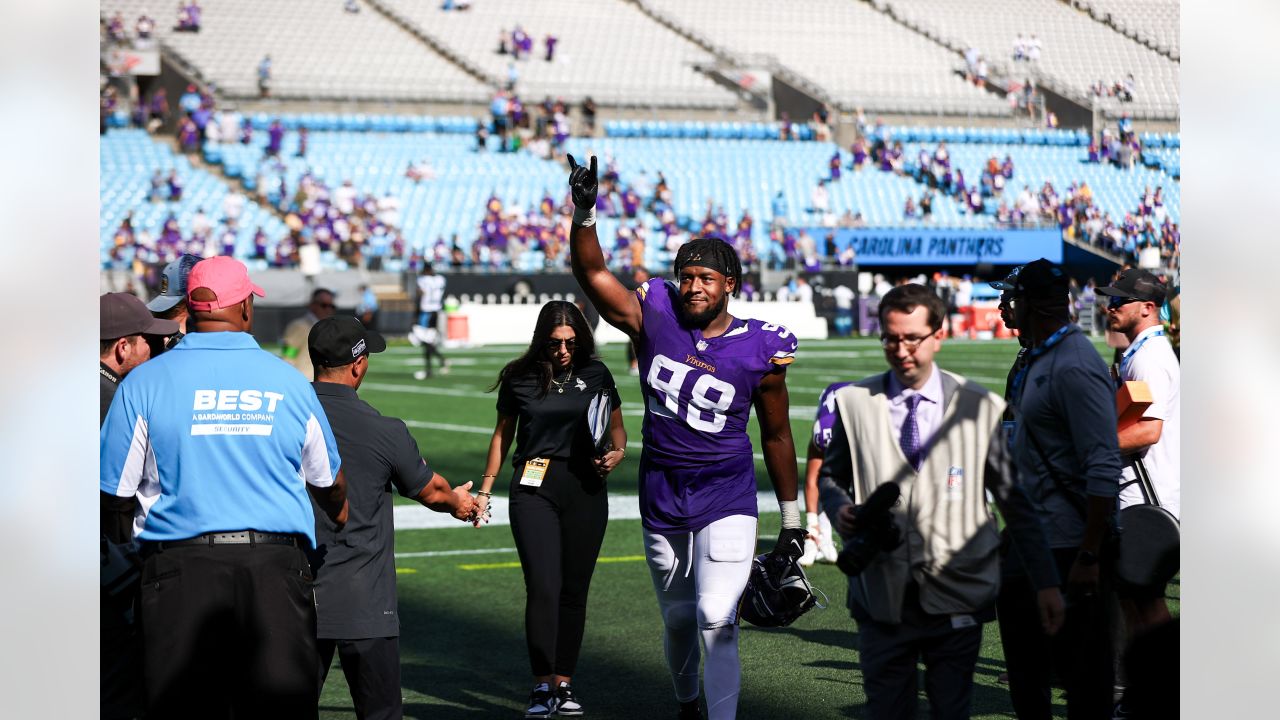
{"type": "Point", "coordinates": [704, 318]}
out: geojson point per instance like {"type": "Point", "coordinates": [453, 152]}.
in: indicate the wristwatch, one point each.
{"type": "Point", "coordinates": [1087, 558]}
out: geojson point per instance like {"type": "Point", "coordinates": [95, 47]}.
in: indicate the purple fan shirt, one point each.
{"type": "Point", "coordinates": [698, 464]}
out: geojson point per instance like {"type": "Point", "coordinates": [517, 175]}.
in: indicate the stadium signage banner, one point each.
{"type": "Point", "coordinates": [937, 246]}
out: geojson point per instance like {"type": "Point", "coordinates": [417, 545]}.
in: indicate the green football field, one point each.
{"type": "Point", "coordinates": [462, 594]}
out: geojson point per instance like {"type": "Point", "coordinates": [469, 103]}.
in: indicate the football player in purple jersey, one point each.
{"type": "Point", "coordinates": [702, 370]}
{"type": "Point", "coordinates": [819, 545]}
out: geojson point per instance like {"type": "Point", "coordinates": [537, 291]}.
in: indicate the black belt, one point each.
{"type": "Point", "coordinates": [244, 537]}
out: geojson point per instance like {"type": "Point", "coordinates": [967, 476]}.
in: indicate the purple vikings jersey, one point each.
{"type": "Point", "coordinates": [826, 419]}
{"type": "Point", "coordinates": [698, 465]}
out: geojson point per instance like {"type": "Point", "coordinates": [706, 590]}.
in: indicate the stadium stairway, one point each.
{"type": "Point", "coordinates": [434, 45]}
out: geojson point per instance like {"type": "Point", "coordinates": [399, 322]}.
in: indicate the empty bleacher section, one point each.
{"type": "Point", "coordinates": [607, 49]}
{"type": "Point", "coordinates": [1077, 51]}
{"type": "Point", "coordinates": [317, 51]}
{"type": "Point", "coordinates": [857, 55]}
{"type": "Point", "coordinates": [1151, 22]}
{"type": "Point", "coordinates": [128, 161]}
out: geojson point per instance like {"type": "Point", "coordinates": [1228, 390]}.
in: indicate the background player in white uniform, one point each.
{"type": "Point", "coordinates": [427, 332]}
{"type": "Point", "coordinates": [702, 372]}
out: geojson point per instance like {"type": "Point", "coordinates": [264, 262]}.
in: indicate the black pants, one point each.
{"type": "Point", "coordinates": [119, 655]}
{"type": "Point", "coordinates": [558, 529]}
{"type": "Point", "coordinates": [229, 631]}
{"type": "Point", "coordinates": [372, 668]}
{"type": "Point", "coordinates": [1081, 652]}
{"type": "Point", "coordinates": [889, 654]}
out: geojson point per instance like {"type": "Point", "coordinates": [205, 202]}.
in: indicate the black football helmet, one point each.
{"type": "Point", "coordinates": [778, 592]}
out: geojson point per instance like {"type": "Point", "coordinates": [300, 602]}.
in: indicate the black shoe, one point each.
{"type": "Point", "coordinates": [542, 702]}
{"type": "Point", "coordinates": [567, 704]}
{"type": "Point", "coordinates": [691, 710]}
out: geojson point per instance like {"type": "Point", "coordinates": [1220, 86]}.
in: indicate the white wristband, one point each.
{"type": "Point", "coordinates": [811, 519]}
{"type": "Point", "coordinates": [584, 218]}
{"type": "Point", "coordinates": [790, 514]}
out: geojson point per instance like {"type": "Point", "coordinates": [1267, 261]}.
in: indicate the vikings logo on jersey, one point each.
{"type": "Point", "coordinates": [826, 419]}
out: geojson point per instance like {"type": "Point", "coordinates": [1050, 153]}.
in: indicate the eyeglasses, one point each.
{"type": "Point", "coordinates": [910, 344]}
{"type": "Point", "coordinates": [1116, 302]}
{"type": "Point", "coordinates": [553, 344]}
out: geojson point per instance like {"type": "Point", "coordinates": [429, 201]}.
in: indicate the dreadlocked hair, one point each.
{"type": "Point", "coordinates": [712, 253]}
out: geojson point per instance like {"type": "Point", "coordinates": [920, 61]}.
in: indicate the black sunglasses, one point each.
{"type": "Point", "coordinates": [571, 344]}
{"type": "Point", "coordinates": [1117, 301]}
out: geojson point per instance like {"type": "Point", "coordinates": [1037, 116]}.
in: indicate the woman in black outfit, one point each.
{"type": "Point", "coordinates": [558, 504]}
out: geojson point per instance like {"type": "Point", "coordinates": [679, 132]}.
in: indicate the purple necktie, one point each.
{"type": "Point", "coordinates": [910, 438]}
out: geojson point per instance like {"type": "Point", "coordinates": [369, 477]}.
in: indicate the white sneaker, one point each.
{"type": "Point", "coordinates": [810, 553]}
{"type": "Point", "coordinates": [444, 370]}
{"type": "Point", "coordinates": [419, 374]}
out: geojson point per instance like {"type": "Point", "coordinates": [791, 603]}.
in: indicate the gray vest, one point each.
{"type": "Point", "coordinates": [951, 544]}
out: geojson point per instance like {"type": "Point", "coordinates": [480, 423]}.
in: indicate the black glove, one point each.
{"type": "Point", "coordinates": [790, 544]}
{"type": "Point", "coordinates": [584, 183]}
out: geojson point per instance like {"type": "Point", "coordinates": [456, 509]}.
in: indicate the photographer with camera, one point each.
{"type": "Point", "coordinates": [913, 452]}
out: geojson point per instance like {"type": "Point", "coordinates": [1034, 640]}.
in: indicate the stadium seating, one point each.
{"type": "Point", "coordinates": [859, 56]}
{"type": "Point", "coordinates": [608, 49]}
{"type": "Point", "coordinates": [317, 51]}
{"type": "Point", "coordinates": [738, 175]}
{"type": "Point", "coordinates": [1154, 22]}
{"type": "Point", "coordinates": [1077, 51]}
{"type": "Point", "coordinates": [127, 160]}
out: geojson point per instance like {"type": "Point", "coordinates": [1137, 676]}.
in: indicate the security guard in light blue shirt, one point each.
{"type": "Point", "coordinates": [217, 440]}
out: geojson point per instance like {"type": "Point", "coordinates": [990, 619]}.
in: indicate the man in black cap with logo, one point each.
{"type": "Point", "coordinates": [171, 303]}
{"type": "Point", "coordinates": [1006, 287]}
{"type": "Point", "coordinates": [126, 327]}
{"type": "Point", "coordinates": [355, 570]}
{"type": "Point", "coordinates": [1064, 443]}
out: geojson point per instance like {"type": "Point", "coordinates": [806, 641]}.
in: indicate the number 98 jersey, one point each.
{"type": "Point", "coordinates": [697, 465]}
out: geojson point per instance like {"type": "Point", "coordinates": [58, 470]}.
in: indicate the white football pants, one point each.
{"type": "Point", "coordinates": [699, 578]}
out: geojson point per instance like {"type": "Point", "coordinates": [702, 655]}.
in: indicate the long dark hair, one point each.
{"type": "Point", "coordinates": [534, 360]}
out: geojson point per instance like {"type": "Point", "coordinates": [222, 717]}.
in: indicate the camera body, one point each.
{"type": "Point", "coordinates": [876, 531]}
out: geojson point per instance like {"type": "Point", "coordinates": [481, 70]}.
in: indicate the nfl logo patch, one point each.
{"type": "Point", "coordinates": [955, 476]}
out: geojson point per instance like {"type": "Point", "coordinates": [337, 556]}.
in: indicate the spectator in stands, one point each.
{"type": "Point", "coordinates": [518, 39]}
{"type": "Point", "coordinates": [1033, 49]}
{"type": "Point", "coordinates": [834, 165]}
{"type": "Point", "coordinates": [504, 41]}
{"type": "Point", "coordinates": [188, 135]}
{"type": "Point", "coordinates": [909, 210]}
{"type": "Point", "coordinates": [115, 28]}
{"type": "Point", "coordinates": [970, 62]}
{"type": "Point", "coordinates": [550, 42]}
{"type": "Point", "coordinates": [159, 108]}
{"type": "Point", "coordinates": [981, 78]}
{"type": "Point", "coordinates": [1019, 48]}
{"type": "Point", "coordinates": [859, 151]}
{"type": "Point", "coordinates": [264, 76]}
{"type": "Point", "coordinates": [926, 205]}
{"type": "Point", "coordinates": [589, 115]}
{"type": "Point", "coordinates": [145, 26]}
{"type": "Point", "coordinates": [175, 186]}
{"type": "Point", "coordinates": [820, 198]}
{"type": "Point", "coordinates": [275, 138]}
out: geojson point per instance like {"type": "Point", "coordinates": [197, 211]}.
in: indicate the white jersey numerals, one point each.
{"type": "Point", "coordinates": [702, 413]}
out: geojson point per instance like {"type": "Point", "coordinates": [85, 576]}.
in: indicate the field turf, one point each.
{"type": "Point", "coordinates": [462, 595]}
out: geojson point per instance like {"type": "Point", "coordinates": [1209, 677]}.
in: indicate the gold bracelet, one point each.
{"type": "Point", "coordinates": [482, 493]}
{"type": "Point", "coordinates": [485, 476]}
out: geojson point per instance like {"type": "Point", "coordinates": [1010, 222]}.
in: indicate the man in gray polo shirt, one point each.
{"type": "Point", "coordinates": [1064, 443]}
{"type": "Point", "coordinates": [355, 569]}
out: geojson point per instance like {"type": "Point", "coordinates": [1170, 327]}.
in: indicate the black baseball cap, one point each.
{"type": "Point", "coordinates": [341, 340]}
{"type": "Point", "coordinates": [1042, 281]}
{"type": "Point", "coordinates": [1009, 282]}
{"type": "Point", "coordinates": [1138, 284]}
{"type": "Point", "coordinates": [121, 315]}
